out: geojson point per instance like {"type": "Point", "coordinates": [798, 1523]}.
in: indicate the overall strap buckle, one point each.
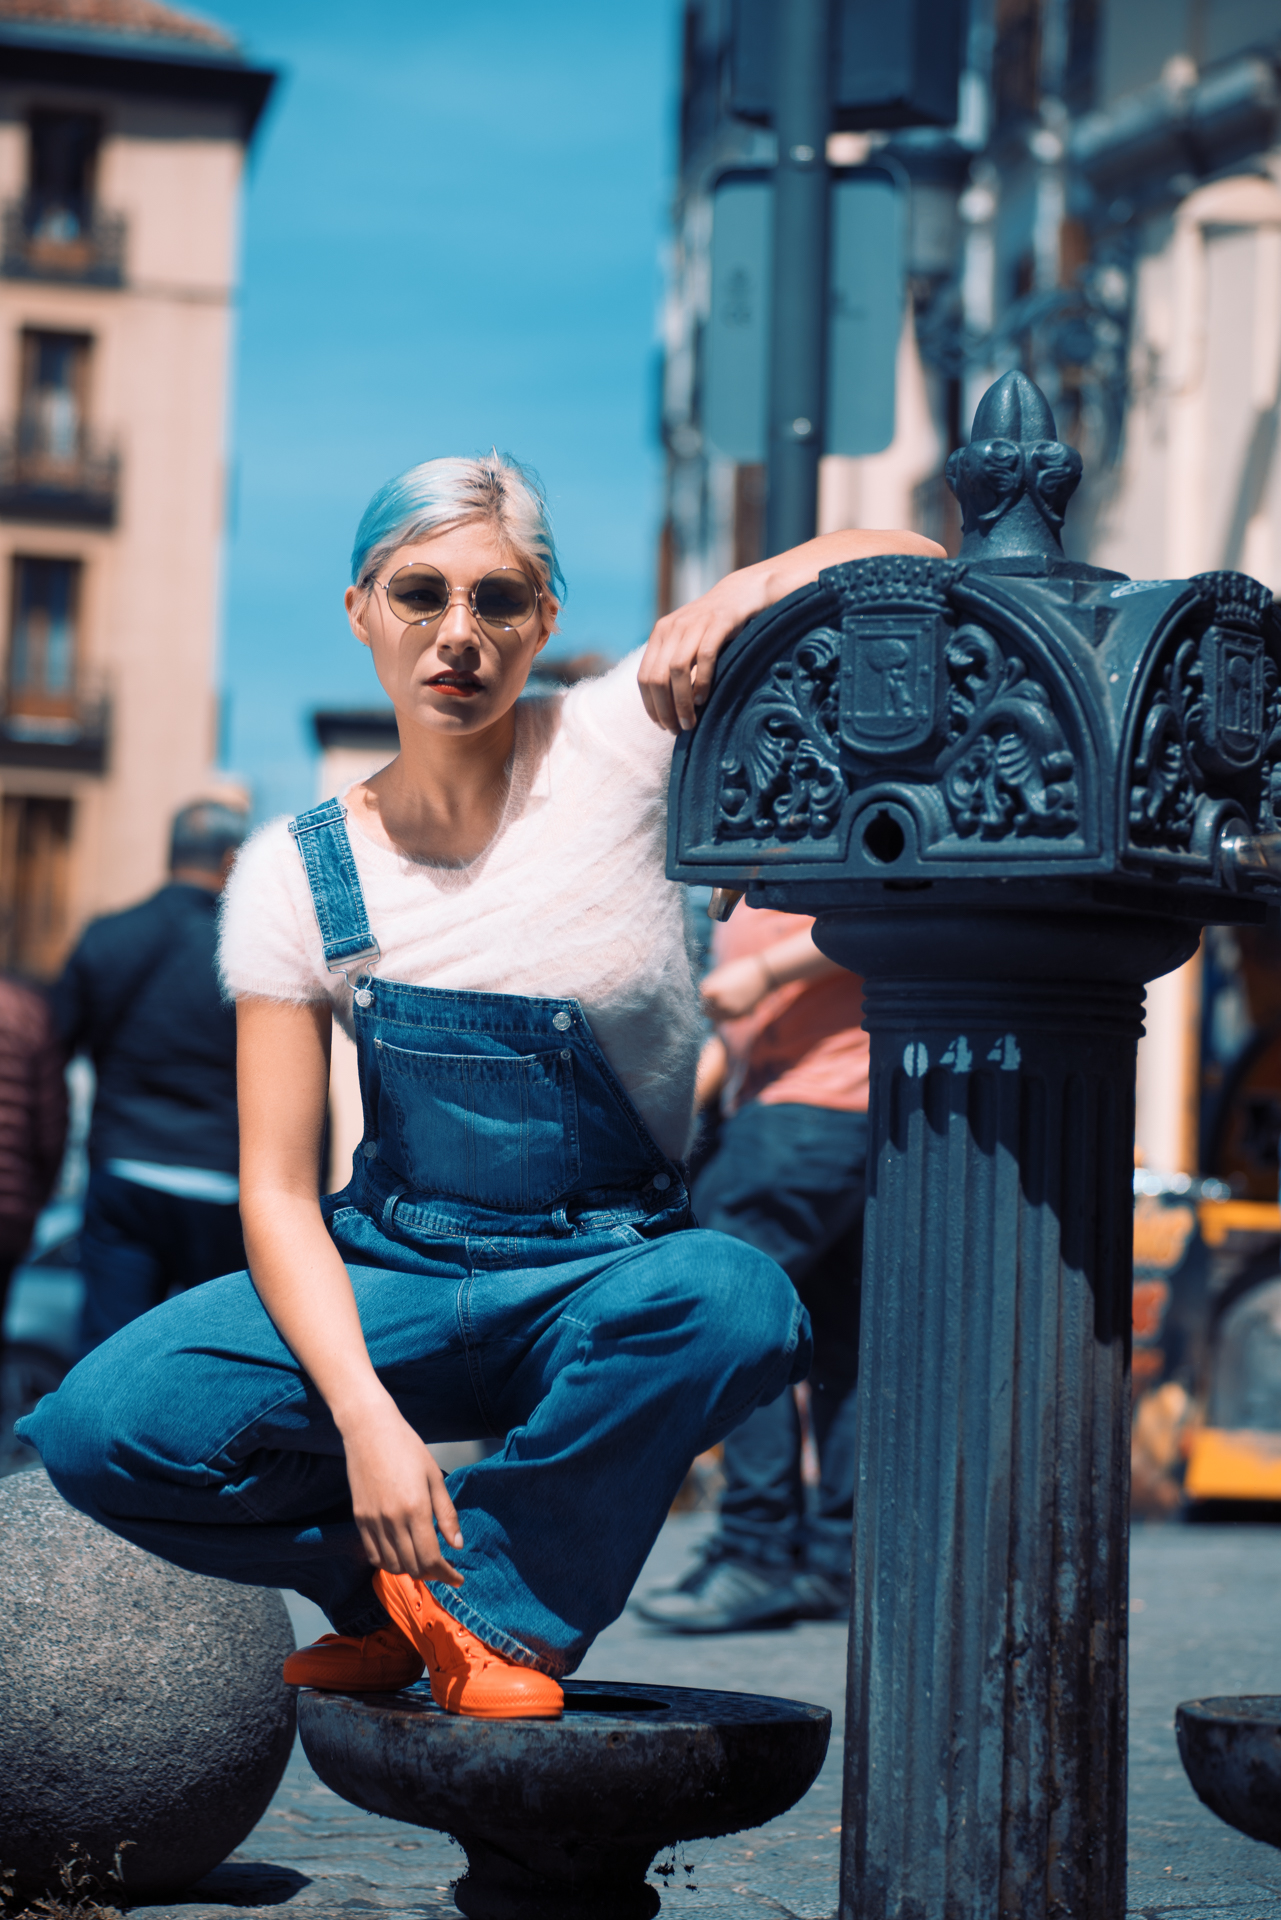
{"type": "Point", "coordinates": [320, 835]}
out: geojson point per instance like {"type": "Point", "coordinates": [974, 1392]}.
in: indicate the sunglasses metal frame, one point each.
{"type": "Point", "coordinates": [469, 593]}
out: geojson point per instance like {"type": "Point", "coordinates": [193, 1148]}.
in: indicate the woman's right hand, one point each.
{"type": "Point", "coordinates": [397, 1490]}
{"type": "Point", "coordinates": [399, 1497]}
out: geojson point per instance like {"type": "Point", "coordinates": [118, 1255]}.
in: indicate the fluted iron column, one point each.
{"type": "Point", "coordinates": [985, 1763]}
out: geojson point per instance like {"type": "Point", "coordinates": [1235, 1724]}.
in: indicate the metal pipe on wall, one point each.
{"type": "Point", "coordinates": [799, 279]}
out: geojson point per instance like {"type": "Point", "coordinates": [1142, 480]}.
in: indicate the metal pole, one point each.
{"type": "Point", "coordinates": [985, 1754]}
{"type": "Point", "coordinates": [799, 293]}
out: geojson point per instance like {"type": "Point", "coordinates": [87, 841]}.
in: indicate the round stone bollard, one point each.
{"type": "Point", "coordinates": [142, 1705]}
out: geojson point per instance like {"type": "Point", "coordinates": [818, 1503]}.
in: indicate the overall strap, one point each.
{"type": "Point", "coordinates": [321, 838]}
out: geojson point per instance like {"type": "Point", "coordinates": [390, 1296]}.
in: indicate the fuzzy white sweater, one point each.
{"type": "Point", "coordinates": [569, 900]}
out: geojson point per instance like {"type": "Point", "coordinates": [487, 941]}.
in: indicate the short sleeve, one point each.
{"type": "Point", "coordinates": [268, 939]}
{"type": "Point", "coordinates": [612, 708]}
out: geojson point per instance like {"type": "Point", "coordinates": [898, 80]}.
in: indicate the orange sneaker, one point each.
{"type": "Point", "coordinates": [381, 1662]}
{"type": "Point", "coordinates": [466, 1676]}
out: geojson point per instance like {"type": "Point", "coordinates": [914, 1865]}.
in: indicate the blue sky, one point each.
{"type": "Point", "coordinates": [452, 224]}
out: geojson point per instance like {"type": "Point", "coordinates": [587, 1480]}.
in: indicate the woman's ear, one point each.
{"type": "Point", "coordinates": [356, 602]}
{"type": "Point", "coordinates": [549, 609]}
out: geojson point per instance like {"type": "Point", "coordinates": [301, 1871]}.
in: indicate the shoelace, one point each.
{"type": "Point", "coordinates": [474, 1657]}
{"type": "Point", "coordinates": [473, 1661]}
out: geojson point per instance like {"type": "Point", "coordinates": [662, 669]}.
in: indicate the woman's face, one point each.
{"type": "Point", "coordinates": [454, 676]}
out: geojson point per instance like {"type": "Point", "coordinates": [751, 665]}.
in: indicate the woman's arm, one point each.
{"type": "Point", "coordinates": [397, 1490]}
{"type": "Point", "coordinates": [678, 664]}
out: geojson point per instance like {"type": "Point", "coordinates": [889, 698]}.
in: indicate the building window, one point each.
{"type": "Point", "coordinates": [60, 185]}
{"type": "Point", "coordinates": [35, 867]}
{"type": "Point", "coordinates": [57, 230]}
{"type": "Point", "coordinates": [52, 467]}
{"type": "Point", "coordinates": [55, 369]}
{"type": "Point", "coordinates": [43, 639]}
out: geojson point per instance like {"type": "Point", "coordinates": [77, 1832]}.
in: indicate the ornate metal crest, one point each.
{"type": "Point", "coordinates": [1234, 696]}
{"type": "Point", "coordinates": [1211, 733]}
{"type": "Point", "coordinates": [943, 710]}
{"type": "Point", "coordinates": [888, 684]}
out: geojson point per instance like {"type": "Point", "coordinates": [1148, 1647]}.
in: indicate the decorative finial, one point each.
{"type": "Point", "coordinates": [1015, 478]}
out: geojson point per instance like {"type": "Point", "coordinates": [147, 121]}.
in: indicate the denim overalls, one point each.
{"type": "Point", "coordinates": [486, 1114]}
{"type": "Point", "coordinates": [512, 1233]}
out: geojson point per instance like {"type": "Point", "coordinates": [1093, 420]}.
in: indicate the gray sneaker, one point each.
{"type": "Point", "coordinates": [723, 1595]}
{"type": "Point", "coordinates": [821, 1596]}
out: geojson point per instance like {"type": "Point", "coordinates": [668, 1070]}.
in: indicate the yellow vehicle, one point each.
{"type": "Point", "coordinates": [1207, 1238]}
{"type": "Point", "coordinates": [1236, 1453]}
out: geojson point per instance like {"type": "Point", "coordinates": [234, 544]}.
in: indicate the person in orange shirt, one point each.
{"type": "Point", "coordinates": [789, 1063]}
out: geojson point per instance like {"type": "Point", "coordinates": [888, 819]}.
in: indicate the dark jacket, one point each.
{"type": "Point", "coordinates": [140, 996]}
{"type": "Point", "coordinates": [33, 1112]}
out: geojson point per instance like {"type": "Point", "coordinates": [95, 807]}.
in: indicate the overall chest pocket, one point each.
{"type": "Point", "coordinates": [498, 1129]}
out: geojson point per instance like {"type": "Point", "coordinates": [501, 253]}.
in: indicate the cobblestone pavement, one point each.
{"type": "Point", "coordinates": [1205, 1619]}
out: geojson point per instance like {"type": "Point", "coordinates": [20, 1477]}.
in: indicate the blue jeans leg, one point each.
{"type": "Point", "coordinates": [790, 1179]}
{"type": "Point", "coordinates": [652, 1359]}
{"type": "Point", "coordinates": [137, 1245]}
{"type": "Point", "coordinates": [195, 1434]}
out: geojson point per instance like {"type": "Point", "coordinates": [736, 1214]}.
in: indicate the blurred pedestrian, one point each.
{"type": "Point", "coordinates": [787, 1174]}
{"type": "Point", "coordinates": [33, 1120]}
{"type": "Point", "coordinates": [140, 996]}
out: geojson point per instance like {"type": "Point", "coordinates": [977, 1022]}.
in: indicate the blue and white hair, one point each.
{"type": "Point", "coordinates": [444, 493]}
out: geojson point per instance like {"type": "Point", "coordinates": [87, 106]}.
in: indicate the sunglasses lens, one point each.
{"type": "Point", "coordinates": [418, 593]}
{"type": "Point", "coordinates": [505, 598]}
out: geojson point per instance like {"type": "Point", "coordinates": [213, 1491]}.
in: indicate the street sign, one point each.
{"type": "Point", "coordinates": [896, 63]}
{"type": "Point", "coordinates": [865, 316]}
{"type": "Point", "coordinates": [865, 279]}
{"type": "Point", "coordinates": [736, 342]}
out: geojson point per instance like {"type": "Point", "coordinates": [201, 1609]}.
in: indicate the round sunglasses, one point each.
{"type": "Point", "coordinates": [503, 600]}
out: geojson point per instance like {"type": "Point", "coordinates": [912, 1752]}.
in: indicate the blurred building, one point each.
{"type": "Point", "coordinates": [123, 131]}
{"type": "Point", "coordinates": [1106, 214]}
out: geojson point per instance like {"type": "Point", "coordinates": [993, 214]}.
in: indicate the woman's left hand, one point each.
{"type": "Point", "coordinates": [679, 663]}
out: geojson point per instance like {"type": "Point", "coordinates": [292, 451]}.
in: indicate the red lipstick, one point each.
{"type": "Point", "coordinates": [455, 683]}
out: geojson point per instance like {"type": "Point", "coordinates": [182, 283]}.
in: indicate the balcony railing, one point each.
{"type": "Point", "coordinates": [47, 240]}
{"type": "Point", "coordinates": [72, 735]}
{"type": "Point", "coordinates": [71, 481]}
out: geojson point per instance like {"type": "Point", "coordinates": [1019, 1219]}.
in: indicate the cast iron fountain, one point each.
{"type": "Point", "coordinates": [1012, 788]}
{"type": "Point", "coordinates": [560, 1819]}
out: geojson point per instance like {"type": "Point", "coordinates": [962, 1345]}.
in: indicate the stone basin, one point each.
{"type": "Point", "coordinates": [560, 1819]}
{"type": "Point", "coordinates": [1231, 1751]}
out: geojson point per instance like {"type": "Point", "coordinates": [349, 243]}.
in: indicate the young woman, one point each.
{"type": "Point", "coordinates": [514, 1253]}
